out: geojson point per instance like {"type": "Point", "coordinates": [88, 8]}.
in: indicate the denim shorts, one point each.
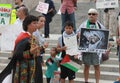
{"type": "Point", "coordinates": [90, 59]}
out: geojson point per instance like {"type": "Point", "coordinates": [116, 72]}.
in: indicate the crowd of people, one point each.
{"type": "Point", "coordinates": [27, 60]}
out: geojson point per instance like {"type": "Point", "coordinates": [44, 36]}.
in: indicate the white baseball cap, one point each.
{"type": "Point", "coordinates": [92, 10]}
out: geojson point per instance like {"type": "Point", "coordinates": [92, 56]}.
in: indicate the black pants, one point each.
{"type": "Point", "coordinates": [48, 80]}
{"type": "Point", "coordinates": [47, 26]}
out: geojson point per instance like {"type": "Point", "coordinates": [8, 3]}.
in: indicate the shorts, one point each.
{"type": "Point", "coordinates": [65, 72]}
{"type": "Point", "coordinates": [90, 59]}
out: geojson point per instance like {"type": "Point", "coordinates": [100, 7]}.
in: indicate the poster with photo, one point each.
{"type": "Point", "coordinates": [93, 40]}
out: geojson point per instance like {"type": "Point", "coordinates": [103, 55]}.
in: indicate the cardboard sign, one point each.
{"type": "Point", "coordinates": [71, 44]}
{"type": "Point", "coordinates": [107, 4]}
{"type": "Point", "coordinates": [42, 7]}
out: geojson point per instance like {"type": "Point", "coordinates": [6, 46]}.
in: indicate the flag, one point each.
{"type": "Point", "coordinates": [72, 65]}
{"type": "Point", "coordinates": [65, 59]}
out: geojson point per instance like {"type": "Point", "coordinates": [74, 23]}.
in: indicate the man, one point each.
{"type": "Point", "coordinates": [110, 21]}
{"type": "Point", "coordinates": [67, 12]}
{"type": "Point", "coordinates": [90, 58]}
{"type": "Point", "coordinates": [19, 4]}
{"type": "Point", "coordinates": [22, 12]}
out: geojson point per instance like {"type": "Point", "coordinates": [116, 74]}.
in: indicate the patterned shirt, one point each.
{"type": "Point", "coordinates": [67, 5]}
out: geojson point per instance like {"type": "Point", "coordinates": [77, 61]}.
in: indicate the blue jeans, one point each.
{"type": "Point", "coordinates": [68, 17]}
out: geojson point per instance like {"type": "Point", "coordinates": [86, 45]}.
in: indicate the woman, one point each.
{"type": "Point", "coordinates": [26, 68]}
{"type": "Point", "coordinates": [42, 42]}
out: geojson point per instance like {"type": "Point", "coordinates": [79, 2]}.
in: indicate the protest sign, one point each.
{"type": "Point", "coordinates": [5, 11]}
{"type": "Point", "coordinates": [71, 44]}
{"type": "Point", "coordinates": [42, 7]}
{"type": "Point", "coordinates": [93, 40]}
{"type": "Point", "coordinates": [107, 4]}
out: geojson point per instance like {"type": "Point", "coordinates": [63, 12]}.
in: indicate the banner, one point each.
{"type": "Point", "coordinates": [107, 4]}
{"type": "Point", "coordinates": [93, 40]}
{"type": "Point", "coordinates": [5, 11]}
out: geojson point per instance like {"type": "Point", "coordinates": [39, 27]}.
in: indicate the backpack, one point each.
{"type": "Point", "coordinates": [53, 13]}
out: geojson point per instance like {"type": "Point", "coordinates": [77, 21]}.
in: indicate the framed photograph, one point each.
{"type": "Point", "coordinates": [93, 40]}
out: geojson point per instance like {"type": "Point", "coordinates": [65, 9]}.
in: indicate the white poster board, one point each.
{"type": "Point", "coordinates": [9, 34]}
{"type": "Point", "coordinates": [71, 44]}
{"type": "Point", "coordinates": [42, 7]}
{"type": "Point", "coordinates": [107, 4]}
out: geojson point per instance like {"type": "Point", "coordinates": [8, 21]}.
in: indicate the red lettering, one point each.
{"type": "Point", "coordinates": [4, 10]}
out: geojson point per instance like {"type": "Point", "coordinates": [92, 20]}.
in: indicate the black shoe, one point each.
{"type": "Point", "coordinates": [111, 39]}
{"type": "Point", "coordinates": [9, 58]}
{"type": "Point", "coordinates": [46, 36]}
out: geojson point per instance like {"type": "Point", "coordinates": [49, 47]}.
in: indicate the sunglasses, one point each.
{"type": "Point", "coordinates": [92, 14]}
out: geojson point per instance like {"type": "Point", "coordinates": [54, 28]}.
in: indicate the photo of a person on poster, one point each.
{"type": "Point", "coordinates": [93, 39]}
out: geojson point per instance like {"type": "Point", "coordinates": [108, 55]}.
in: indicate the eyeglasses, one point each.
{"type": "Point", "coordinates": [92, 14]}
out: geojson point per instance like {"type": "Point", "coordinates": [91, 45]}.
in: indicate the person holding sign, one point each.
{"type": "Point", "coordinates": [91, 58]}
{"type": "Point", "coordinates": [48, 18]}
{"type": "Point", "coordinates": [61, 47]}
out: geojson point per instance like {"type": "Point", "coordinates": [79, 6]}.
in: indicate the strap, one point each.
{"type": "Point", "coordinates": [99, 25]}
{"type": "Point", "coordinates": [63, 52]}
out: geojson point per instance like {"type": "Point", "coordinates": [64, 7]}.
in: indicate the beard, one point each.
{"type": "Point", "coordinates": [16, 3]}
